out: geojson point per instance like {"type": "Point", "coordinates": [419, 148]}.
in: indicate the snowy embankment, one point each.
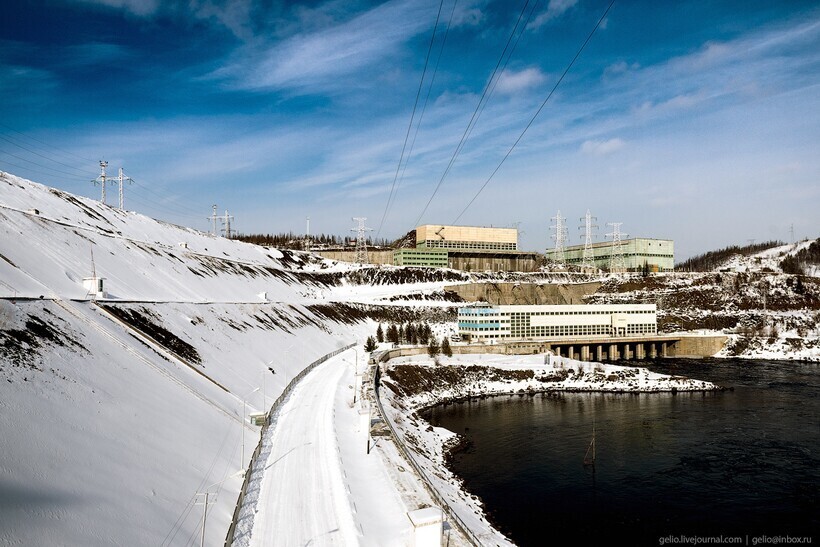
{"type": "Point", "coordinates": [118, 413]}
{"type": "Point", "coordinates": [411, 384]}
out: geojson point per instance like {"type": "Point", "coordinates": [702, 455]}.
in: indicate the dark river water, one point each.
{"type": "Point", "coordinates": [742, 463]}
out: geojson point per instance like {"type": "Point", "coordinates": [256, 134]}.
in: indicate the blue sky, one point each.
{"type": "Point", "coordinates": [695, 121]}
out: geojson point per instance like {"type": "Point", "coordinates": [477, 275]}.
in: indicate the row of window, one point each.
{"type": "Point", "coordinates": [564, 330]}
{"type": "Point", "coordinates": [516, 315]}
{"type": "Point", "coordinates": [444, 244]}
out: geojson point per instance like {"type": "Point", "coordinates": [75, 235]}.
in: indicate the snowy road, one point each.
{"type": "Point", "coordinates": [319, 486]}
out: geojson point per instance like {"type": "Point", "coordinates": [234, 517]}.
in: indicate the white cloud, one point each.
{"type": "Point", "coordinates": [513, 82]}
{"type": "Point", "coordinates": [141, 8]}
{"type": "Point", "coordinates": [468, 13]}
{"type": "Point", "coordinates": [320, 58]}
{"type": "Point", "coordinates": [620, 67]}
{"type": "Point", "coordinates": [602, 148]}
{"type": "Point", "coordinates": [555, 9]}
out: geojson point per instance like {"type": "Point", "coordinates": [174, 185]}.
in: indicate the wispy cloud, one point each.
{"type": "Point", "coordinates": [513, 82]}
{"type": "Point", "coordinates": [319, 59]}
{"type": "Point", "coordinates": [140, 8]}
{"type": "Point", "coordinates": [602, 148]}
{"type": "Point", "coordinates": [554, 10]}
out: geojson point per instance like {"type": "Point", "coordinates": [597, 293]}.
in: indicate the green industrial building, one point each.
{"type": "Point", "coordinates": [658, 255]}
{"type": "Point", "coordinates": [421, 258]}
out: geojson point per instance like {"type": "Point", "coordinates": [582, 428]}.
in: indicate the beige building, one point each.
{"type": "Point", "coordinates": [467, 238]}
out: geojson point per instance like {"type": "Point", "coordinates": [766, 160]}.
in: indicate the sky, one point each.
{"type": "Point", "coordinates": [692, 121]}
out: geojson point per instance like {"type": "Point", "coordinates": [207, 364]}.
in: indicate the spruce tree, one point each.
{"type": "Point", "coordinates": [445, 347]}
{"type": "Point", "coordinates": [379, 334]}
{"type": "Point", "coordinates": [370, 345]}
{"type": "Point", "coordinates": [393, 334]}
{"type": "Point", "coordinates": [433, 348]}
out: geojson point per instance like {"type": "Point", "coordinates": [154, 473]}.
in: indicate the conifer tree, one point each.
{"type": "Point", "coordinates": [433, 348]}
{"type": "Point", "coordinates": [379, 334]}
{"type": "Point", "coordinates": [445, 347]}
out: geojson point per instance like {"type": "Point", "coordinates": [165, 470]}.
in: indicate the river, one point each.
{"type": "Point", "coordinates": [742, 463]}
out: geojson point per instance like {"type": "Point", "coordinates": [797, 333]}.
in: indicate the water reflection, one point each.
{"type": "Point", "coordinates": [733, 463]}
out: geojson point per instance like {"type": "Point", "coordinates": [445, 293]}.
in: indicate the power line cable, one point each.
{"type": "Point", "coordinates": [412, 116]}
{"type": "Point", "coordinates": [467, 129]}
{"type": "Point", "coordinates": [427, 97]}
{"type": "Point", "coordinates": [40, 155]}
{"type": "Point", "coordinates": [49, 146]}
{"type": "Point", "coordinates": [30, 169]}
{"type": "Point", "coordinates": [503, 69]}
{"type": "Point", "coordinates": [566, 70]}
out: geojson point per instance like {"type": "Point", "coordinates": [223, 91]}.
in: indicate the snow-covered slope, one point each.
{"type": "Point", "coordinates": [116, 413]}
{"type": "Point", "coordinates": [764, 261]}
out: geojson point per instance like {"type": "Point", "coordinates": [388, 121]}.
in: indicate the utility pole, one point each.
{"type": "Point", "coordinates": [213, 219]}
{"type": "Point", "coordinates": [616, 256]}
{"type": "Point", "coordinates": [560, 237]}
{"type": "Point", "coordinates": [226, 220]}
{"type": "Point", "coordinates": [102, 180]}
{"type": "Point", "coordinates": [121, 179]}
{"type": "Point", "coordinates": [361, 240]}
{"type": "Point", "coordinates": [588, 259]}
{"type": "Point", "coordinates": [204, 505]}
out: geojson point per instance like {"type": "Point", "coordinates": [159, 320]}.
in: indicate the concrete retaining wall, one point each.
{"type": "Point", "coordinates": [698, 346]}
{"type": "Point", "coordinates": [505, 294]}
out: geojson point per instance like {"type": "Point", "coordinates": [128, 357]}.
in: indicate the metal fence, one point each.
{"type": "Point", "coordinates": [276, 405]}
{"type": "Point", "coordinates": [407, 454]}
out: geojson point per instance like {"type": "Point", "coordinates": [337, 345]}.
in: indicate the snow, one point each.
{"type": "Point", "coordinates": [428, 444]}
{"type": "Point", "coordinates": [767, 260]}
{"type": "Point", "coordinates": [347, 497]}
{"type": "Point", "coordinates": [109, 436]}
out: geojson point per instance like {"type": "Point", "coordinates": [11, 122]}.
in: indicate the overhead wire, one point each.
{"type": "Point", "coordinates": [537, 112]}
{"type": "Point", "coordinates": [427, 97]}
{"type": "Point", "coordinates": [51, 147]}
{"type": "Point", "coordinates": [29, 150]}
{"type": "Point", "coordinates": [412, 116]}
{"type": "Point", "coordinates": [473, 119]}
{"type": "Point", "coordinates": [41, 149]}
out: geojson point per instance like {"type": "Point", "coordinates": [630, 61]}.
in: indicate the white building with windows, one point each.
{"type": "Point", "coordinates": [551, 322]}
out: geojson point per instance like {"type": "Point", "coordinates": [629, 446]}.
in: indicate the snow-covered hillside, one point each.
{"type": "Point", "coordinates": [767, 313]}
{"type": "Point", "coordinates": [115, 413]}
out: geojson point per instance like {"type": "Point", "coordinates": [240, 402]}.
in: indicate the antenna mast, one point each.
{"type": "Point", "coordinates": [560, 237]}
{"type": "Point", "coordinates": [588, 260]}
{"type": "Point", "coordinates": [617, 263]}
{"type": "Point", "coordinates": [361, 240]}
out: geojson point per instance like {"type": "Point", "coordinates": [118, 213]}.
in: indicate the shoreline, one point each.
{"type": "Point", "coordinates": [407, 397]}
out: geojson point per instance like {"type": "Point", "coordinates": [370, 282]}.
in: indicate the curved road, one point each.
{"type": "Point", "coordinates": [319, 486]}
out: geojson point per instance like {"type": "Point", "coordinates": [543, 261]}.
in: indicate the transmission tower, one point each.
{"type": "Point", "coordinates": [617, 263]}
{"type": "Point", "coordinates": [588, 259]}
{"type": "Point", "coordinates": [102, 180]}
{"type": "Point", "coordinates": [213, 218]}
{"type": "Point", "coordinates": [361, 240]}
{"type": "Point", "coordinates": [121, 179]}
{"type": "Point", "coordinates": [226, 221]}
{"type": "Point", "coordinates": [560, 237]}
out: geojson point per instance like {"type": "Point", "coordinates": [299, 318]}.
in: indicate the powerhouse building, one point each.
{"type": "Point", "coordinates": [492, 323]}
{"type": "Point", "coordinates": [657, 254]}
{"type": "Point", "coordinates": [468, 248]}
